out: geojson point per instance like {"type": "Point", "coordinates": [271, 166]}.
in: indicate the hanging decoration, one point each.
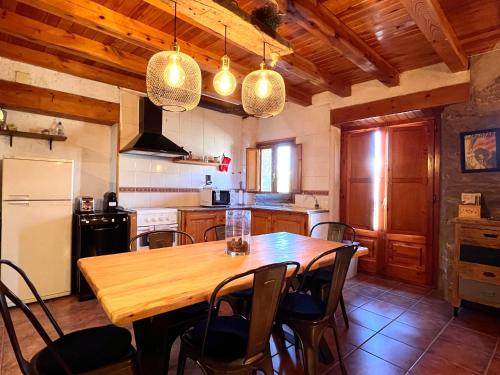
{"type": "Point", "coordinates": [224, 80]}
{"type": "Point", "coordinates": [173, 79]}
{"type": "Point", "coordinates": [263, 91]}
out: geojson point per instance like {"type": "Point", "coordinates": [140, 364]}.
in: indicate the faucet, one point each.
{"type": "Point", "coordinates": [316, 204]}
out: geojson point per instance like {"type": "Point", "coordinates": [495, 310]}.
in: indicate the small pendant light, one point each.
{"type": "Point", "coordinates": [263, 91]}
{"type": "Point", "coordinates": [173, 79]}
{"type": "Point", "coordinates": [224, 80]}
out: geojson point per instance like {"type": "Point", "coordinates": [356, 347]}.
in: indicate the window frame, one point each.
{"type": "Point", "coordinates": [273, 145]}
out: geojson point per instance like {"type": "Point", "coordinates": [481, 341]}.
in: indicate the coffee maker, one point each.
{"type": "Point", "coordinates": [110, 202]}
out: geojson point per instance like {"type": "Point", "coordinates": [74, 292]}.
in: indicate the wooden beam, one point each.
{"type": "Point", "coordinates": [294, 63]}
{"type": "Point", "coordinates": [432, 21]}
{"type": "Point", "coordinates": [323, 24]}
{"type": "Point", "coordinates": [73, 67]}
{"type": "Point", "coordinates": [417, 101]}
{"type": "Point", "coordinates": [21, 97]}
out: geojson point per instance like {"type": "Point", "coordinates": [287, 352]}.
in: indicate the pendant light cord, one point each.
{"type": "Point", "coordinates": [264, 55]}
{"type": "Point", "coordinates": [225, 39]}
{"type": "Point", "coordinates": [175, 22]}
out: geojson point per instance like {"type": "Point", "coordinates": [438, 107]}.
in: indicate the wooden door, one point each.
{"type": "Point", "coordinates": [409, 223]}
{"type": "Point", "coordinates": [288, 222]}
{"type": "Point", "coordinates": [196, 223]}
{"type": "Point", "coordinates": [357, 192]}
{"type": "Point", "coordinates": [261, 222]}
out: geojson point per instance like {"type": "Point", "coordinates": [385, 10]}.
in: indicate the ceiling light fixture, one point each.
{"type": "Point", "coordinates": [173, 79]}
{"type": "Point", "coordinates": [224, 80]}
{"type": "Point", "coordinates": [263, 91]}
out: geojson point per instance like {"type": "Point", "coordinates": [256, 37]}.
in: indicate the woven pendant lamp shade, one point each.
{"type": "Point", "coordinates": [263, 93]}
{"type": "Point", "coordinates": [173, 81]}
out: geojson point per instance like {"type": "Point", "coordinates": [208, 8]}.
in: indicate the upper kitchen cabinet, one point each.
{"type": "Point", "coordinates": [274, 167]}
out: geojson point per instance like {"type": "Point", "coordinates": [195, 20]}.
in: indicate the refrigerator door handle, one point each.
{"type": "Point", "coordinates": [19, 203]}
{"type": "Point", "coordinates": [19, 196]}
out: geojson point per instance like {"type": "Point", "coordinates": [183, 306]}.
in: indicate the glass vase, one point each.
{"type": "Point", "coordinates": [238, 227]}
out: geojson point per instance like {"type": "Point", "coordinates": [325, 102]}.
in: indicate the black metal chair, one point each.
{"type": "Point", "coordinates": [309, 316]}
{"type": "Point", "coordinates": [156, 239]}
{"type": "Point", "coordinates": [234, 344]}
{"type": "Point", "coordinates": [97, 351]}
{"type": "Point", "coordinates": [155, 336]}
{"type": "Point", "coordinates": [219, 232]}
{"type": "Point", "coordinates": [320, 279]}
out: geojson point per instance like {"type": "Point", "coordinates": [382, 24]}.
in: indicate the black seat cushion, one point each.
{"type": "Point", "coordinates": [227, 337]}
{"type": "Point", "coordinates": [245, 293]}
{"type": "Point", "coordinates": [86, 350]}
{"type": "Point", "coordinates": [302, 306]}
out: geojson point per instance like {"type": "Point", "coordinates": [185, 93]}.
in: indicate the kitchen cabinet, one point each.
{"type": "Point", "coordinates": [261, 222]}
{"type": "Point", "coordinates": [266, 221]}
{"type": "Point", "coordinates": [197, 222]}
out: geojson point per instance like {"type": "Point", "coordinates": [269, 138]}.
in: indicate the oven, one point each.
{"type": "Point", "coordinates": [149, 219]}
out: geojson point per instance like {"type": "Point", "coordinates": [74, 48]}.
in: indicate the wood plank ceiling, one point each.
{"type": "Point", "coordinates": [337, 43]}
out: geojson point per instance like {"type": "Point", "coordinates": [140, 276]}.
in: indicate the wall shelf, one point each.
{"type": "Point", "coordinates": [49, 137]}
{"type": "Point", "coordinates": [197, 162]}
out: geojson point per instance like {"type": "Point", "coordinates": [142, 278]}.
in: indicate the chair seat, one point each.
{"type": "Point", "coordinates": [227, 337]}
{"type": "Point", "coordinates": [302, 306]}
{"type": "Point", "coordinates": [86, 350]}
{"type": "Point", "coordinates": [245, 293]}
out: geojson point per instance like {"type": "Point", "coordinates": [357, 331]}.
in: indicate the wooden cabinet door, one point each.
{"type": "Point", "coordinates": [196, 223]}
{"type": "Point", "coordinates": [358, 194]}
{"type": "Point", "coordinates": [410, 176]}
{"type": "Point", "coordinates": [261, 222]}
{"type": "Point", "coordinates": [289, 222]}
{"type": "Point", "coordinates": [253, 169]}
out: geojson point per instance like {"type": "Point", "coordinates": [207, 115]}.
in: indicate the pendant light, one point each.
{"type": "Point", "coordinates": [173, 79]}
{"type": "Point", "coordinates": [263, 91]}
{"type": "Point", "coordinates": [224, 80]}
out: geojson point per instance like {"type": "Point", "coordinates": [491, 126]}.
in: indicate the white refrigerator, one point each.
{"type": "Point", "coordinates": [37, 198]}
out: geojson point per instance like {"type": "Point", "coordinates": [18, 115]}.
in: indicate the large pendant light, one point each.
{"type": "Point", "coordinates": [173, 79]}
{"type": "Point", "coordinates": [263, 91]}
{"type": "Point", "coordinates": [224, 80]}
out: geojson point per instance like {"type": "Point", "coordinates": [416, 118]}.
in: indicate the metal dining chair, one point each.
{"type": "Point", "coordinates": [309, 316]}
{"type": "Point", "coordinates": [91, 351]}
{"type": "Point", "coordinates": [162, 330]}
{"type": "Point", "coordinates": [219, 232]}
{"type": "Point", "coordinates": [234, 344]}
{"type": "Point", "coordinates": [320, 279]}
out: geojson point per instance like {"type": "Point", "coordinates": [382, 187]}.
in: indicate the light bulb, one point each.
{"type": "Point", "coordinates": [263, 87]}
{"type": "Point", "coordinates": [224, 80]}
{"type": "Point", "coordinates": [174, 75]}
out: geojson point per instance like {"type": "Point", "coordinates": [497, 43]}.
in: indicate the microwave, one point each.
{"type": "Point", "coordinates": [213, 197]}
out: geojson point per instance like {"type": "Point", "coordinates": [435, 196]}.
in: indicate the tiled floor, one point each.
{"type": "Point", "coordinates": [394, 329]}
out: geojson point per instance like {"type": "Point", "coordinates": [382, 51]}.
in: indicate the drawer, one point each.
{"type": "Point", "coordinates": [479, 272]}
{"type": "Point", "coordinates": [481, 237]}
{"type": "Point", "coordinates": [479, 254]}
{"type": "Point", "coordinates": [474, 291]}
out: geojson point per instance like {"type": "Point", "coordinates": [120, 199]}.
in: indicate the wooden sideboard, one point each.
{"type": "Point", "coordinates": [475, 263]}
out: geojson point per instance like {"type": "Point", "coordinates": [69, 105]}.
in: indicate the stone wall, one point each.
{"type": "Point", "coordinates": [481, 112]}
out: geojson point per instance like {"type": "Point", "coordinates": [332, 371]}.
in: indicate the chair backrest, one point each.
{"type": "Point", "coordinates": [340, 266]}
{"type": "Point", "coordinates": [335, 231]}
{"type": "Point", "coordinates": [270, 283]}
{"type": "Point", "coordinates": [161, 238]}
{"type": "Point", "coordinates": [219, 231]}
{"type": "Point", "coordinates": [6, 293]}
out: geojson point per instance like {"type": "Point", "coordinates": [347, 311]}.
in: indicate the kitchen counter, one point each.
{"type": "Point", "coordinates": [295, 209]}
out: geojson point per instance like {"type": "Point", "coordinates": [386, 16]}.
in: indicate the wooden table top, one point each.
{"type": "Point", "coordinates": [136, 285]}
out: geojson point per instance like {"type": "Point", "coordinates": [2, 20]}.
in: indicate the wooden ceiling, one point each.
{"type": "Point", "coordinates": [337, 43]}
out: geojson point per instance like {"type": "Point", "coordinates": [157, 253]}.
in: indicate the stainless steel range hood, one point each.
{"type": "Point", "coordinates": [150, 140]}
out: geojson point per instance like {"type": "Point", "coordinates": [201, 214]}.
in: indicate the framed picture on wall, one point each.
{"type": "Point", "coordinates": [479, 150]}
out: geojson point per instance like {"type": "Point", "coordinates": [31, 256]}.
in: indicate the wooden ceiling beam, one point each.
{"type": "Point", "coordinates": [439, 97]}
{"type": "Point", "coordinates": [21, 97]}
{"type": "Point", "coordinates": [431, 20]}
{"type": "Point", "coordinates": [323, 24]}
{"type": "Point", "coordinates": [295, 64]}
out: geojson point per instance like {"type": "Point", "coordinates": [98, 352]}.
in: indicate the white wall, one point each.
{"type": "Point", "coordinates": [91, 146]}
{"type": "Point", "coordinates": [202, 131]}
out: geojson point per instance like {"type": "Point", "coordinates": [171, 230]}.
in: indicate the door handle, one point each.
{"type": "Point", "coordinates": [23, 203]}
{"type": "Point", "coordinates": [489, 274]}
{"type": "Point", "coordinates": [490, 235]}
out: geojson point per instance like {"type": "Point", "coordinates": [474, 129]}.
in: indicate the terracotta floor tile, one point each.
{"type": "Point", "coordinates": [355, 298]}
{"type": "Point", "coordinates": [433, 308]}
{"type": "Point", "coordinates": [364, 363]}
{"type": "Point", "coordinates": [418, 320]}
{"type": "Point", "coordinates": [416, 337]}
{"type": "Point", "coordinates": [461, 354]}
{"type": "Point", "coordinates": [368, 319]}
{"type": "Point", "coordinates": [494, 368]}
{"type": "Point", "coordinates": [288, 362]}
{"type": "Point", "coordinates": [397, 300]}
{"type": "Point", "coordinates": [383, 308]}
{"type": "Point", "coordinates": [478, 320]}
{"type": "Point", "coordinates": [410, 291]}
{"type": "Point", "coordinates": [367, 290]}
{"type": "Point", "coordinates": [474, 339]}
{"type": "Point", "coordinates": [393, 351]}
{"type": "Point", "coordinates": [355, 335]}
{"type": "Point", "coordinates": [432, 364]}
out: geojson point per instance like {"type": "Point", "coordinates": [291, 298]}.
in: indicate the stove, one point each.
{"type": "Point", "coordinates": [149, 219]}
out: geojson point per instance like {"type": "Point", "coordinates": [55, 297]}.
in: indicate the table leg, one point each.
{"type": "Point", "coordinates": [325, 354]}
{"type": "Point", "coordinates": [148, 357]}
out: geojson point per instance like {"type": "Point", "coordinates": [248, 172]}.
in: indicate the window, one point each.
{"type": "Point", "coordinates": [274, 167]}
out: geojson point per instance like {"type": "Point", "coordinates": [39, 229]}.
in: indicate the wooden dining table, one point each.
{"type": "Point", "coordinates": [134, 286]}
